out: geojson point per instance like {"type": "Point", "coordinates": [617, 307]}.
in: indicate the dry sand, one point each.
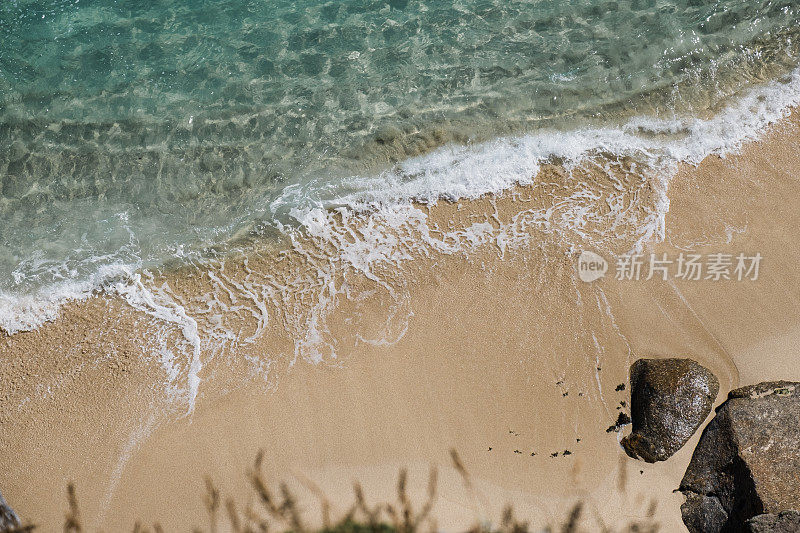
{"type": "Point", "coordinates": [496, 352]}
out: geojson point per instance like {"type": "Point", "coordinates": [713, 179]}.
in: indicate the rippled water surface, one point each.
{"type": "Point", "coordinates": [132, 132]}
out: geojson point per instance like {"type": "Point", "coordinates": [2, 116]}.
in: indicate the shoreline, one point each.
{"type": "Point", "coordinates": [498, 347]}
{"type": "Point", "coordinates": [445, 173]}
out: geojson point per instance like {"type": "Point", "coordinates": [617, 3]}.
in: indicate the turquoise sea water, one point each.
{"type": "Point", "coordinates": [132, 132]}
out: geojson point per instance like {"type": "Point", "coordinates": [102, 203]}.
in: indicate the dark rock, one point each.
{"type": "Point", "coordinates": [622, 420]}
{"type": "Point", "coordinates": [747, 462]}
{"type": "Point", "coordinates": [670, 399]}
{"type": "Point", "coordinates": [783, 522]}
{"type": "Point", "coordinates": [701, 513]}
{"type": "Point", "coordinates": [8, 518]}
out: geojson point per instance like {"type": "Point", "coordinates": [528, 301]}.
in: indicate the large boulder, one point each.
{"type": "Point", "coordinates": [8, 518]}
{"type": "Point", "coordinates": [670, 399]}
{"type": "Point", "coordinates": [747, 462]}
{"type": "Point", "coordinates": [784, 522]}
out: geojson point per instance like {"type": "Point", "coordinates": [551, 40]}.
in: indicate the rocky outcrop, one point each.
{"type": "Point", "coordinates": [785, 522]}
{"type": "Point", "coordinates": [8, 518]}
{"type": "Point", "coordinates": [670, 399]}
{"type": "Point", "coordinates": [747, 462]}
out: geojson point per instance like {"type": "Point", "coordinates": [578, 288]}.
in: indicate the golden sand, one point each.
{"type": "Point", "coordinates": [501, 354]}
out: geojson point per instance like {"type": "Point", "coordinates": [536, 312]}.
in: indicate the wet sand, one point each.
{"type": "Point", "coordinates": [500, 353]}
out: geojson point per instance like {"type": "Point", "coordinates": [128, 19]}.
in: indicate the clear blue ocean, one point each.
{"type": "Point", "coordinates": [133, 133]}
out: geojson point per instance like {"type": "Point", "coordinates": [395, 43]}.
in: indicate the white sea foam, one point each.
{"type": "Point", "coordinates": [370, 224]}
{"type": "Point", "coordinates": [160, 303]}
{"type": "Point", "coordinates": [25, 312]}
{"type": "Point", "coordinates": [466, 172]}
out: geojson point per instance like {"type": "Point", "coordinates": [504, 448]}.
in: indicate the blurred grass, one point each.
{"type": "Point", "coordinates": [278, 511]}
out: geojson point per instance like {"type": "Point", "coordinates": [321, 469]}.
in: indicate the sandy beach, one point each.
{"type": "Point", "coordinates": [498, 351]}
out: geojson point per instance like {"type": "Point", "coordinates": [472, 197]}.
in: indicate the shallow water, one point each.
{"type": "Point", "coordinates": [131, 133]}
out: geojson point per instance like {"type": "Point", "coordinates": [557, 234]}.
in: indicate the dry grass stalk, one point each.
{"type": "Point", "coordinates": [254, 522]}
{"type": "Point", "coordinates": [425, 513]}
{"type": "Point", "coordinates": [285, 510]}
{"type": "Point", "coordinates": [211, 501]}
{"type": "Point", "coordinates": [324, 502]}
{"type": "Point", "coordinates": [291, 510]}
{"type": "Point", "coordinates": [233, 516]}
{"type": "Point", "coordinates": [571, 525]}
{"type": "Point", "coordinates": [372, 516]}
{"type": "Point", "coordinates": [72, 522]}
{"type": "Point", "coordinates": [458, 464]}
{"type": "Point", "coordinates": [263, 492]}
{"type": "Point", "coordinates": [405, 521]}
